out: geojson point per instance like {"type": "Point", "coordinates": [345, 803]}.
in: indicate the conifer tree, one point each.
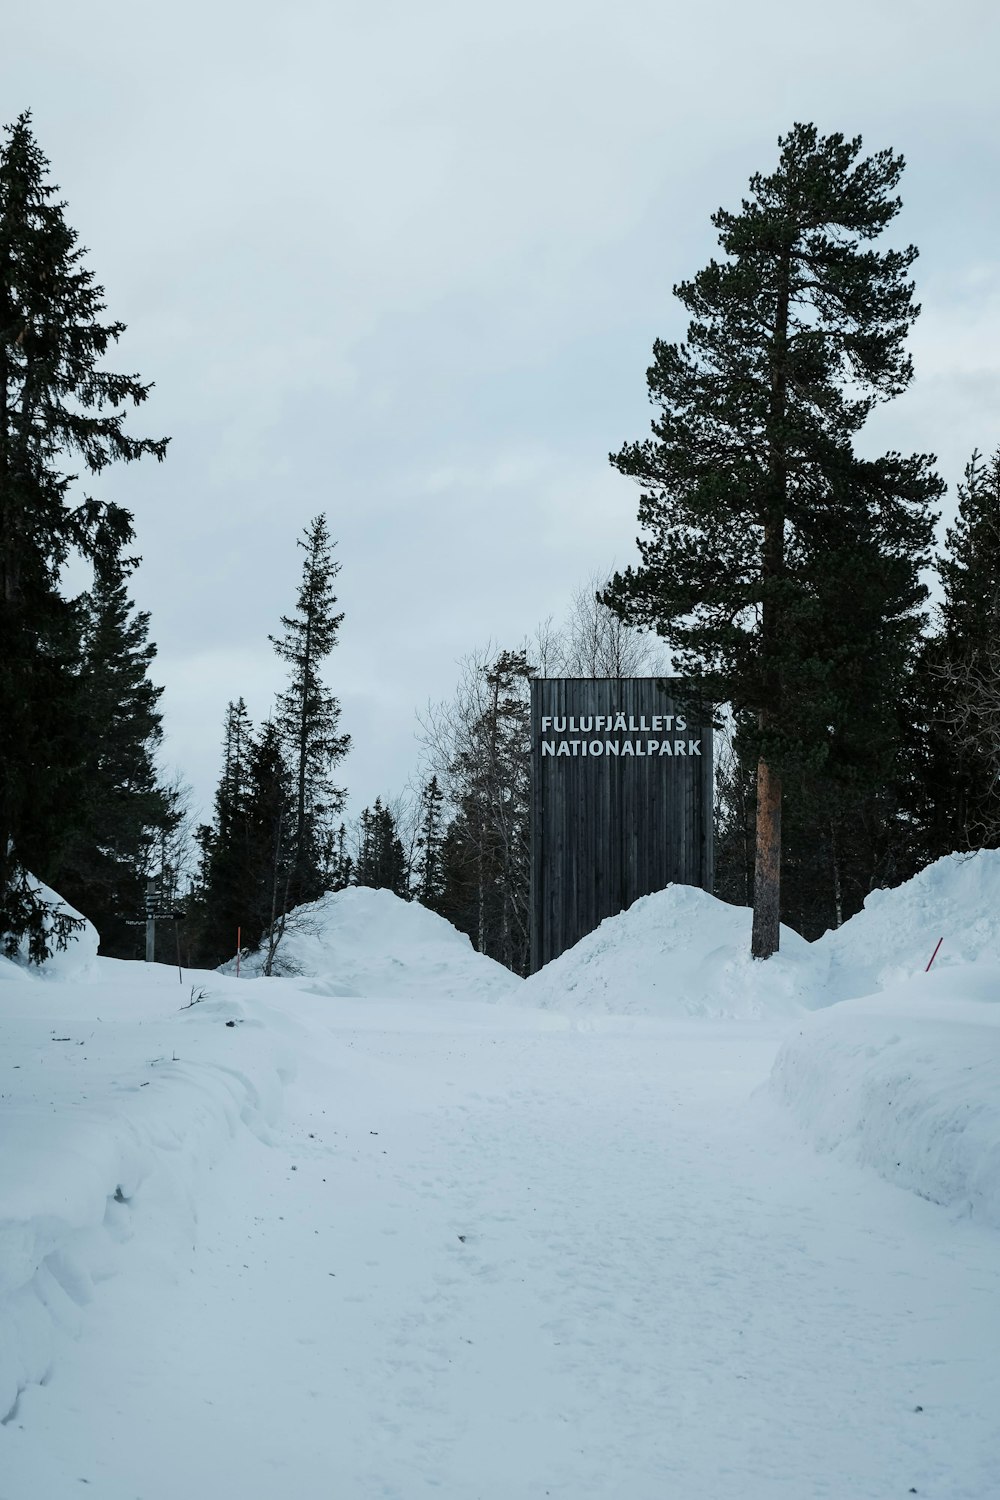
{"type": "Point", "coordinates": [57, 405]}
{"type": "Point", "coordinates": [309, 714]}
{"type": "Point", "coordinates": [492, 775]}
{"type": "Point", "coordinates": [429, 872]}
{"type": "Point", "coordinates": [227, 900]}
{"type": "Point", "coordinates": [955, 709]}
{"type": "Point", "coordinates": [461, 885]}
{"type": "Point", "coordinates": [781, 569]}
{"type": "Point", "coordinates": [341, 865]}
{"type": "Point", "coordinates": [124, 811]}
{"type": "Point", "coordinates": [381, 861]}
{"type": "Point", "coordinates": [270, 843]}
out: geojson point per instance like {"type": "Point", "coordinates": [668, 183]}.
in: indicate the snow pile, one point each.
{"type": "Point", "coordinates": [907, 1082]}
{"type": "Point", "coordinates": [75, 962]}
{"type": "Point", "coordinates": [366, 942]}
{"type": "Point", "coordinates": [906, 1078]}
{"type": "Point", "coordinates": [677, 952]}
{"type": "Point", "coordinates": [682, 952]}
{"type": "Point", "coordinates": [956, 898]}
{"type": "Point", "coordinates": [115, 1104]}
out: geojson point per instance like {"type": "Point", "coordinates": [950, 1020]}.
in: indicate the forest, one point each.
{"type": "Point", "coordinates": [795, 584]}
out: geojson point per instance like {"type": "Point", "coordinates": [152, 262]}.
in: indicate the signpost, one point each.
{"type": "Point", "coordinates": [622, 801]}
{"type": "Point", "coordinates": [159, 910]}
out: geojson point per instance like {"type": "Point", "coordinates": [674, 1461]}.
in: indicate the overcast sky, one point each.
{"type": "Point", "coordinates": [404, 263]}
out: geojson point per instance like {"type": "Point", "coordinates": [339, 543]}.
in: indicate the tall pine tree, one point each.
{"type": "Point", "coordinates": [781, 569]}
{"type": "Point", "coordinates": [56, 404]}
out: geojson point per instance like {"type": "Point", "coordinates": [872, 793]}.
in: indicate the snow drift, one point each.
{"type": "Point", "coordinates": [115, 1105]}
{"type": "Point", "coordinates": [682, 952]}
{"type": "Point", "coordinates": [678, 952]}
{"type": "Point", "coordinates": [907, 1082]}
{"type": "Point", "coordinates": [957, 898]}
{"type": "Point", "coordinates": [906, 1079]}
{"type": "Point", "coordinates": [363, 942]}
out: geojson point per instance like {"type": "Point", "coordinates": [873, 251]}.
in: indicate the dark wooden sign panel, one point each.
{"type": "Point", "coordinates": [622, 799]}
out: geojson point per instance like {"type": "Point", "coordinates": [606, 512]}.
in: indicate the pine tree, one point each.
{"type": "Point", "coordinates": [781, 569]}
{"type": "Point", "coordinates": [309, 714]}
{"type": "Point", "coordinates": [341, 865]}
{"type": "Point", "coordinates": [56, 404]}
{"type": "Point", "coordinates": [227, 897]}
{"type": "Point", "coordinates": [461, 886]}
{"type": "Point", "coordinates": [381, 861]}
{"type": "Point", "coordinates": [429, 872]}
{"type": "Point", "coordinates": [270, 844]}
{"type": "Point", "coordinates": [125, 811]}
{"type": "Point", "coordinates": [491, 773]}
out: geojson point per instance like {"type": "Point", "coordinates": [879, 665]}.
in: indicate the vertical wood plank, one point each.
{"type": "Point", "coordinates": [607, 829]}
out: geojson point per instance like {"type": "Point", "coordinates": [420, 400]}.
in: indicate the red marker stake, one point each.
{"type": "Point", "coordinates": [934, 955]}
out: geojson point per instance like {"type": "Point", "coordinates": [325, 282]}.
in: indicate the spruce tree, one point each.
{"type": "Point", "coordinates": [341, 864]}
{"type": "Point", "coordinates": [308, 713]}
{"type": "Point", "coordinates": [429, 872]}
{"type": "Point", "coordinates": [270, 844]}
{"type": "Point", "coordinates": [381, 861]}
{"type": "Point", "coordinates": [781, 569]}
{"type": "Point", "coordinates": [57, 405]}
{"type": "Point", "coordinates": [227, 899]}
{"type": "Point", "coordinates": [125, 811]}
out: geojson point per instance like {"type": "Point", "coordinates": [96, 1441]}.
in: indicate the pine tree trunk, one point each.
{"type": "Point", "coordinates": [766, 885]}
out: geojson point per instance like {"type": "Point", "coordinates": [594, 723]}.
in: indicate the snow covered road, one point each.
{"type": "Point", "coordinates": [490, 1253]}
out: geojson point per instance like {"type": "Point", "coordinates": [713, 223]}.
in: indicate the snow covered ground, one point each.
{"type": "Point", "coordinates": [403, 1226]}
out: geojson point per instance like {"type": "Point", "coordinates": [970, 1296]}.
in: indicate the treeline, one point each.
{"type": "Point", "coordinates": [477, 746]}
{"type": "Point", "coordinates": [781, 576]}
{"type": "Point", "coordinates": [927, 781]}
{"type": "Point", "coordinates": [459, 844]}
{"type": "Point", "coordinates": [274, 841]}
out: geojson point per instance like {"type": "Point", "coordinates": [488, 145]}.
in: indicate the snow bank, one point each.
{"type": "Point", "coordinates": [77, 961]}
{"type": "Point", "coordinates": [678, 952]}
{"type": "Point", "coordinates": [907, 1082]}
{"type": "Point", "coordinates": [115, 1103]}
{"type": "Point", "coordinates": [682, 952]}
{"type": "Point", "coordinates": [362, 942]}
{"type": "Point", "coordinates": [906, 1078]}
{"type": "Point", "coordinates": [956, 898]}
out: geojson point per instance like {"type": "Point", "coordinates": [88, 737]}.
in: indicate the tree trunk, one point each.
{"type": "Point", "coordinates": [766, 885]}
